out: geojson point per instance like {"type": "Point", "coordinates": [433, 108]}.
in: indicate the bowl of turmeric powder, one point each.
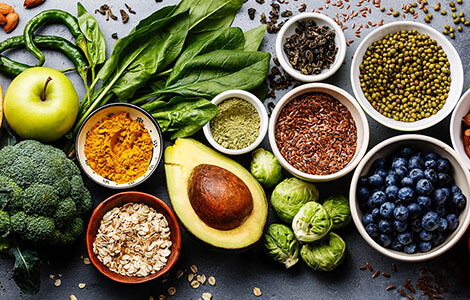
{"type": "Point", "coordinates": [119, 145]}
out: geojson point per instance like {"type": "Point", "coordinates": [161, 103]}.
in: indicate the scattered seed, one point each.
{"type": "Point", "coordinates": [51, 276]}
{"type": "Point", "coordinates": [257, 292]}
{"type": "Point", "coordinates": [151, 298]}
{"type": "Point", "coordinates": [390, 287]}
{"type": "Point", "coordinates": [195, 284]}
{"type": "Point", "coordinates": [402, 293]}
{"type": "Point", "coordinates": [129, 8]}
{"type": "Point", "coordinates": [86, 261]}
{"type": "Point", "coordinates": [161, 297]}
{"type": "Point", "coordinates": [57, 282]}
{"type": "Point", "coordinates": [369, 266]}
{"type": "Point", "coordinates": [206, 296]}
{"type": "Point", "coordinates": [376, 273]}
{"type": "Point", "coordinates": [179, 273]}
{"type": "Point", "coordinates": [385, 275]}
{"type": "Point", "coordinates": [114, 36]}
{"type": "Point", "coordinates": [251, 13]}
{"type": "Point", "coordinates": [201, 278]}
{"type": "Point", "coordinates": [190, 277]}
{"type": "Point", "coordinates": [411, 297]}
{"type": "Point", "coordinates": [124, 16]}
{"type": "Point", "coordinates": [363, 268]}
{"type": "Point", "coordinates": [171, 291]}
{"type": "Point", "coordinates": [193, 268]}
{"type": "Point", "coordinates": [81, 285]}
{"type": "Point", "coordinates": [72, 297]}
{"type": "Point", "coordinates": [211, 280]}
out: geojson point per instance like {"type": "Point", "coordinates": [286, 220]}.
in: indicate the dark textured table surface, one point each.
{"type": "Point", "coordinates": [238, 273]}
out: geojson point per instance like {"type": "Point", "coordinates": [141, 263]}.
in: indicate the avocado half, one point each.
{"type": "Point", "coordinates": [185, 159]}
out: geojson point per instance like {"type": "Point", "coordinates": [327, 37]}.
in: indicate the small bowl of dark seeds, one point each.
{"type": "Point", "coordinates": [310, 47]}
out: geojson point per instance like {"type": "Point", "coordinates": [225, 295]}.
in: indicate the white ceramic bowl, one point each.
{"type": "Point", "coordinates": [263, 115]}
{"type": "Point", "coordinates": [456, 130]}
{"type": "Point", "coordinates": [456, 70]}
{"type": "Point", "coordinates": [136, 113]}
{"type": "Point", "coordinates": [351, 104]}
{"type": "Point", "coordinates": [289, 29]}
{"type": "Point", "coordinates": [418, 142]}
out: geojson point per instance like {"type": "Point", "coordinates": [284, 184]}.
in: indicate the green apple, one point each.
{"type": "Point", "coordinates": [41, 104]}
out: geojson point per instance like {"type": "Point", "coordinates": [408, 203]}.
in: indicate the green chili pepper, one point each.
{"type": "Point", "coordinates": [12, 68]}
{"type": "Point", "coordinates": [52, 16]}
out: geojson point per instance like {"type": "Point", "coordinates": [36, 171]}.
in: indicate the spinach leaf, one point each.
{"type": "Point", "coordinates": [26, 270]}
{"type": "Point", "coordinates": [96, 44]}
{"type": "Point", "coordinates": [207, 16]}
{"type": "Point", "coordinates": [230, 39]}
{"type": "Point", "coordinates": [162, 13]}
{"type": "Point", "coordinates": [210, 74]}
{"type": "Point", "coordinates": [261, 91]}
{"type": "Point", "coordinates": [254, 37]}
{"type": "Point", "coordinates": [183, 116]}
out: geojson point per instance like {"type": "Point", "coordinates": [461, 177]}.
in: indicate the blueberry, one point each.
{"type": "Point", "coordinates": [381, 172]}
{"type": "Point", "coordinates": [410, 248]}
{"type": "Point", "coordinates": [367, 219]}
{"type": "Point", "coordinates": [363, 181]}
{"type": "Point", "coordinates": [391, 192]}
{"type": "Point", "coordinates": [406, 181]}
{"type": "Point", "coordinates": [363, 193]}
{"type": "Point", "coordinates": [400, 213]}
{"type": "Point", "coordinates": [425, 235]}
{"type": "Point", "coordinates": [430, 221]}
{"type": "Point", "coordinates": [376, 180]}
{"type": "Point", "coordinates": [400, 172]}
{"type": "Point", "coordinates": [459, 201]}
{"type": "Point", "coordinates": [400, 226]}
{"type": "Point", "coordinates": [415, 162]}
{"type": "Point", "coordinates": [416, 225]}
{"type": "Point", "coordinates": [386, 209]}
{"type": "Point", "coordinates": [442, 224]}
{"type": "Point", "coordinates": [406, 194]}
{"type": "Point", "coordinates": [424, 202]}
{"type": "Point", "coordinates": [431, 156]}
{"type": "Point", "coordinates": [439, 197]}
{"type": "Point", "coordinates": [441, 210]}
{"type": "Point", "coordinates": [455, 189]}
{"type": "Point", "coordinates": [406, 151]}
{"type": "Point", "coordinates": [438, 238]}
{"type": "Point", "coordinates": [452, 221]}
{"type": "Point", "coordinates": [396, 245]}
{"type": "Point", "coordinates": [375, 213]}
{"type": "Point", "coordinates": [390, 180]}
{"type": "Point", "coordinates": [379, 163]}
{"type": "Point", "coordinates": [430, 164]}
{"type": "Point", "coordinates": [372, 230]}
{"type": "Point", "coordinates": [443, 179]}
{"type": "Point", "coordinates": [385, 226]}
{"type": "Point", "coordinates": [443, 165]}
{"type": "Point", "coordinates": [405, 238]}
{"type": "Point", "coordinates": [424, 246]}
{"type": "Point", "coordinates": [424, 187]}
{"type": "Point", "coordinates": [399, 162]}
{"type": "Point", "coordinates": [414, 210]}
{"type": "Point", "coordinates": [416, 174]}
{"type": "Point", "coordinates": [385, 240]}
{"type": "Point", "coordinates": [378, 198]}
{"type": "Point", "coordinates": [430, 175]}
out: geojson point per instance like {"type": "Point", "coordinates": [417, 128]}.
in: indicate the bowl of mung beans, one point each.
{"type": "Point", "coordinates": [407, 76]}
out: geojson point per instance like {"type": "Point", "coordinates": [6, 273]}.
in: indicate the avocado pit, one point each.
{"type": "Point", "coordinates": [219, 197]}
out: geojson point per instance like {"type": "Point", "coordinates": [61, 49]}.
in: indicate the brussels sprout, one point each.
{"type": "Point", "coordinates": [338, 209]}
{"type": "Point", "coordinates": [265, 168]}
{"type": "Point", "coordinates": [311, 223]}
{"type": "Point", "coordinates": [290, 195]}
{"type": "Point", "coordinates": [281, 245]}
{"type": "Point", "coordinates": [324, 255]}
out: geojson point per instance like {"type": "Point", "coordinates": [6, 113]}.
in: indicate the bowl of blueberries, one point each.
{"type": "Point", "coordinates": [408, 197]}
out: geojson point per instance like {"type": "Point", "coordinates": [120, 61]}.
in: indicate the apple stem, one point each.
{"type": "Point", "coordinates": [43, 96]}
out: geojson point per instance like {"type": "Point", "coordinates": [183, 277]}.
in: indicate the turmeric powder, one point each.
{"type": "Point", "coordinates": [119, 148]}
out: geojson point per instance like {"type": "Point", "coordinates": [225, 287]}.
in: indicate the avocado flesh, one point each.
{"type": "Point", "coordinates": [180, 160]}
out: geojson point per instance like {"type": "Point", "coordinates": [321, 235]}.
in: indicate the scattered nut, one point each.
{"type": "Point", "coordinates": [211, 280]}
{"type": "Point", "coordinates": [201, 278]}
{"type": "Point", "coordinates": [57, 282]}
{"type": "Point", "coordinates": [32, 3]}
{"type": "Point", "coordinates": [171, 291]}
{"type": "Point", "coordinates": [3, 20]}
{"type": "Point", "coordinates": [257, 292]}
{"type": "Point", "coordinates": [5, 9]}
{"type": "Point", "coordinates": [193, 268]}
{"type": "Point", "coordinates": [207, 296]}
{"type": "Point", "coordinates": [190, 277]}
{"type": "Point", "coordinates": [195, 284]}
{"type": "Point", "coordinates": [12, 21]}
{"type": "Point", "coordinates": [81, 285]}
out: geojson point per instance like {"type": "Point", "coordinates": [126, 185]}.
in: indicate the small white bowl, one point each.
{"type": "Point", "coordinates": [456, 71]}
{"type": "Point", "coordinates": [418, 142]}
{"type": "Point", "coordinates": [362, 127]}
{"type": "Point", "coordinates": [456, 126]}
{"type": "Point", "coordinates": [136, 113]}
{"type": "Point", "coordinates": [263, 115]}
{"type": "Point", "coordinates": [289, 29]}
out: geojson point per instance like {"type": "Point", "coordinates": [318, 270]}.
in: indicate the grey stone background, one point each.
{"type": "Point", "coordinates": [237, 273]}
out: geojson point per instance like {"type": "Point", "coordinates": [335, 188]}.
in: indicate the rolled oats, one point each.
{"type": "Point", "coordinates": [211, 280]}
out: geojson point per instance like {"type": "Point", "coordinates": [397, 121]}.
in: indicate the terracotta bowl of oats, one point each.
{"type": "Point", "coordinates": [133, 237]}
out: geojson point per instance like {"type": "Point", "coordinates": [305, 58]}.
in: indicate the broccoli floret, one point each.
{"type": "Point", "coordinates": [4, 223]}
{"type": "Point", "coordinates": [43, 194]}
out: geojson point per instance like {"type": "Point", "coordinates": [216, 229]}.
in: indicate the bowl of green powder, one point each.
{"type": "Point", "coordinates": [240, 125]}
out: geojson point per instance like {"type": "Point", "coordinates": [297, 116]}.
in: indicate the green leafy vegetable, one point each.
{"type": "Point", "coordinates": [254, 37]}
{"type": "Point", "coordinates": [338, 209]}
{"type": "Point", "coordinates": [26, 270]}
{"type": "Point", "coordinates": [311, 223]}
{"type": "Point", "coordinates": [290, 195]}
{"type": "Point", "coordinates": [182, 116]}
{"type": "Point", "coordinates": [265, 168]}
{"type": "Point", "coordinates": [281, 245]}
{"type": "Point", "coordinates": [324, 255]}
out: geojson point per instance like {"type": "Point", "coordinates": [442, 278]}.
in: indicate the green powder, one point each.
{"type": "Point", "coordinates": [236, 125]}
